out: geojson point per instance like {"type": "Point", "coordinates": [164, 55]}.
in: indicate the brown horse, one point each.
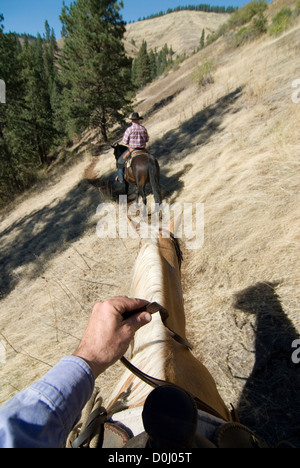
{"type": "Point", "coordinates": [144, 169]}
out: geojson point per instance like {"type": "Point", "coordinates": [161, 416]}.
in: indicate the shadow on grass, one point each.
{"type": "Point", "coordinates": [270, 403]}
{"type": "Point", "coordinates": [177, 144]}
{"type": "Point", "coordinates": [36, 238]}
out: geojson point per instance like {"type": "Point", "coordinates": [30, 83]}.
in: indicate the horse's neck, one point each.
{"type": "Point", "coordinates": [147, 283]}
{"type": "Point", "coordinates": [156, 278]}
{"type": "Point", "coordinates": [171, 286]}
{"type": "Point", "coordinates": [122, 149]}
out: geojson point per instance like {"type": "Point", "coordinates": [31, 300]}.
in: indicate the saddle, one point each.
{"type": "Point", "coordinates": [131, 154]}
{"type": "Point", "coordinates": [162, 429]}
{"type": "Point", "coordinates": [99, 431]}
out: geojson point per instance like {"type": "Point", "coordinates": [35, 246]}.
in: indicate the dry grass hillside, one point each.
{"type": "Point", "coordinates": [232, 145]}
{"type": "Point", "coordinates": [182, 30]}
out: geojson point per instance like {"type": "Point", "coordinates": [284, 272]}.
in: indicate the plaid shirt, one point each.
{"type": "Point", "coordinates": [136, 136]}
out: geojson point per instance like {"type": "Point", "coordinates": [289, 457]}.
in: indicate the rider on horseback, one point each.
{"type": "Point", "coordinates": [136, 138]}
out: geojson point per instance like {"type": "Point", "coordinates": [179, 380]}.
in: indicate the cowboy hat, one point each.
{"type": "Point", "coordinates": [135, 116]}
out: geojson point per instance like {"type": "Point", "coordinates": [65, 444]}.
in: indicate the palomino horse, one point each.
{"type": "Point", "coordinates": [144, 169]}
{"type": "Point", "coordinates": [157, 278]}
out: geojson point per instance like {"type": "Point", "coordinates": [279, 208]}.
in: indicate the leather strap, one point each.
{"type": "Point", "coordinates": [98, 417]}
{"type": "Point", "coordinates": [96, 420]}
{"type": "Point", "coordinates": [94, 423]}
{"type": "Point", "coordinates": [153, 308]}
{"type": "Point", "coordinates": [153, 382]}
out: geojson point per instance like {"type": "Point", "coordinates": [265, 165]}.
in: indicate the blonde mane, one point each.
{"type": "Point", "coordinates": [149, 350]}
{"type": "Point", "coordinates": [156, 278]}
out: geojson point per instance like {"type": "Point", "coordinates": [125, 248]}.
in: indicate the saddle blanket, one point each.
{"type": "Point", "coordinates": [132, 154]}
{"type": "Point", "coordinates": [131, 421]}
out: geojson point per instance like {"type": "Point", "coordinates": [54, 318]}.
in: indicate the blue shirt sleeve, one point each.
{"type": "Point", "coordinates": [43, 415]}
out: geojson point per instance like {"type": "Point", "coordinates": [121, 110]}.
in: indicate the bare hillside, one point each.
{"type": "Point", "coordinates": [233, 146]}
{"type": "Point", "coordinates": [182, 30]}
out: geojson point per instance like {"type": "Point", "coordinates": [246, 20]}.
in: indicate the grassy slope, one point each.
{"type": "Point", "coordinates": [181, 30]}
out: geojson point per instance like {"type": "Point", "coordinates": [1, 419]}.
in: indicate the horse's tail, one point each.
{"type": "Point", "coordinates": [154, 174]}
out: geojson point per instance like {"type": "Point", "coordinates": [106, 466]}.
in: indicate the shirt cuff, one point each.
{"type": "Point", "coordinates": [67, 388]}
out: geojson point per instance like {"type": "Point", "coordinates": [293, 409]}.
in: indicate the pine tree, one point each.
{"type": "Point", "coordinates": [37, 112]}
{"type": "Point", "coordinates": [202, 39]}
{"type": "Point", "coordinates": [27, 120]}
{"type": "Point", "coordinates": [143, 74]}
{"type": "Point", "coordinates": [50, 50]}
{"type": "Point", "coordinates": [95, 71]}
{"type": "Point", "coordinates": [134, 72]}
{"type": "Point", "coordinates": [11, 160]}
{"type": "Point", "coordinates": [148, 66]}
{"type": "Point", "coordinates": [162, 61]}
{"type": "Point", "coordinates": [153, 67]}
{"type": "Point", "coordinates": [50, 54]}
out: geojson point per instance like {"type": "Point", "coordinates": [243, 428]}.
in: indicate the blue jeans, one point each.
{"type": "Point", "coordinates": [121, 174]}
{"type": "Point", "coordinates": [121, 164]}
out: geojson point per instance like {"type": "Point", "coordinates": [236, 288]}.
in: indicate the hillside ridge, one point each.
{"type": "Point", "coordinates": [180, 30]}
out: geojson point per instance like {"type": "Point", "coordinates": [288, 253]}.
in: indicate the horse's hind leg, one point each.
{"type": "Point", "coordinates": [126, 189]}
{"type": "Point", "coordinates": [141, 192]}
{"type": "Point", "coordinates": [137, 196]}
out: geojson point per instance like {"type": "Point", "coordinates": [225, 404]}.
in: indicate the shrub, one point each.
{"type": "Point", "coordinates": [281, 21]}
{"type": "Point", "coordinates": [256, 29]}
{"type": "Point", "coordinates": [240, 18]}
{"type": "Point", "coordinates": [242, 36]}
{"type": "Point", "coordinates": [259, 25]}
{"type": "Point", "coordinates": [245, 14]}
{"type": "Point", "coordinates": [203, 73]}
